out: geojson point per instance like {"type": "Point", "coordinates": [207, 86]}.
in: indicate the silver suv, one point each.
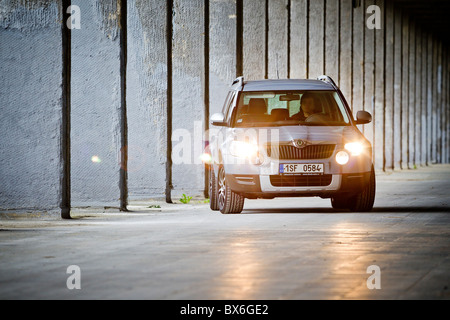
{"type": "Point", "coordinates": [289, 138]}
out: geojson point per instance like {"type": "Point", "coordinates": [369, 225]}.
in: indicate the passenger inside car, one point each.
{"type": "Point", "coordinates": [256, 111]}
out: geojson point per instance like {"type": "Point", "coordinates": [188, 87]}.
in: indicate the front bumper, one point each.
{"type": "Point", "coordinates": [270, 186]}
{"type": "Point", "coordinates": [266, 181]}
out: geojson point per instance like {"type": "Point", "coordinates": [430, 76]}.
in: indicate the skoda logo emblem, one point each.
{"type": "Point", "coordinates": [300, 143]}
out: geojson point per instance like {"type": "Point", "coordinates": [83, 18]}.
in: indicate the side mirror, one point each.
{"type": "Point", "coordinates": [363, 117]}
{"type": "Point", "coordinates": [218, 119]}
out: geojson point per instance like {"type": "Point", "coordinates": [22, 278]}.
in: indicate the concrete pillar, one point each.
{"type": "Point", "coordinates": [147, 99]}
{"type": "Point", "coordinates": [418, 98]}
{"type": "Point", "coordinates": [254, 39]}
{"type": "Point", "coordinates": [447, 91]}
{"type": "Point", "coordinates": [187, 97]}
{"type": "Point", "coordinates": [345, 54]}
{"type": "Point", "coordinates": [331, 30]}
{"type": "Point", "coordinates": [222, 51]}
{"type": "Point", "coordinates": [316, 39]}
{"type": "Point", "coordinates": [389, 87]}
{"type": "Point", "coordinates": [439, 108]}
{"type": "Point", "coordinates": [444, 107]}
{"type": "Point", "coordinates": [368, 76]}
{"type": "Point", "coordinates": [379, 86]}
{"type": "Point", "coordinates": [358, 59]}
{"type": "Point", "coordinates": [434, 100]}
{"type": "Point", "coordinates": [412, 95]}
{"type": "Point", "coordinates": [31, 110]}
{"type": "Point", "coordinates": [424, 100]}
{"type": "Point", "coordinates": [405, 92]}
{"type": "Point", "coordinates": [299, 39]}
{"type": "Point", "coordinates": [278, 39]}
{"type": "Point", "coordinates": [446, 104]}
{"type": "Point", "coordinates": [95, 118]}
{"type": "Point", "coordinates": [429, 114]}
{"type": "Point", "coordinates": [397, 88]}
{"type": "Point", "coordinates": [444, 110]}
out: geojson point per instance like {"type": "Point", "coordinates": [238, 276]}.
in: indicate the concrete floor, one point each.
{"type": "Point", "coordinates": [276, 249]}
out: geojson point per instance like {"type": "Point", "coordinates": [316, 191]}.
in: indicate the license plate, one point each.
{"type": "Point", "coordinates": [300, 168]}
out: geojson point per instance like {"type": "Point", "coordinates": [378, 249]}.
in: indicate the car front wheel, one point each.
{"type": "Point", "coordinates": [360, 202]}
{"type": "Point", "coordinates": [229, 201]}
{"type": "Point", "coordinates": [213, 202]}
{"type": "Point", "coordinates": [363, 201]}
{"type": "Point", "coordinates": [340, 202]}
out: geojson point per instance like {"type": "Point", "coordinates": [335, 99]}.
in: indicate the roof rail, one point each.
{"type": "Point", "coordinates": [327, 79]}
{"type": "Point", "coordinates": [239, 80]}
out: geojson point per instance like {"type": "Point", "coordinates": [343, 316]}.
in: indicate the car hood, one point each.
{"type": "Point", "coordinates": [311, 134]}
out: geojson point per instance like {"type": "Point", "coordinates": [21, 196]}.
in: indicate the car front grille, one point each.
{"type": "Point", "coordinates": [301, 180]}
{"type": "Point", "coordinates": [289, 152]}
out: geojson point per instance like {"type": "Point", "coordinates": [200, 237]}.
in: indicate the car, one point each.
{"type": "Point", "coordinates": [289, 138]}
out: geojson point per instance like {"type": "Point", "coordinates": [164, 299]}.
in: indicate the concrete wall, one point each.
{"type": "Point", "coordinates": [358, 30]}
{"type": "Point", "coordinates": [30, 105]}
{"type": "Point", "coordinates": [277, 39]}
{"type": "Point", "coordinates": [397, 65]}
{"type": "Point", "coordinates": [222, 51]}
{"type": "Point", "coordinates": [331, 37]}
{"type": "Point", "coordinates": [388, 105]}
{"type": "Point", "coordinates": [147, 98]}
{"type": "Point", "coordinates": [316, 32]}
{"type": "Point", "coordinates": [368, 73]}
{"type": "Point", "coordinates": [254, 40]}
{"type": "Point", "coordinates": [188, 97]}
{"type": "Point", "coordinates": [181, 58]}
{"type": "Point", "coordinates": [95, 106]}
{"type": "Point", "coordinates": [379, 79]}
{"type": "Point", "coordinates": [299, 39]}
{"type": "Point", "coordinates": [346, 49]}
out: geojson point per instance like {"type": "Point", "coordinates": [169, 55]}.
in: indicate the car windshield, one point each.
{"type": "Point", "coordinates": [293, 108]}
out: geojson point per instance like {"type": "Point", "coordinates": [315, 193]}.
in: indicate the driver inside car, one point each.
{"type": "Point", "coordinates": [310, 110]}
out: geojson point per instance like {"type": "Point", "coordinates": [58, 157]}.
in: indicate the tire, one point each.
{"type": "Point", "coordinates": [213, 203]}
{"type": "Point", "coordinates": [340, 202]}
{"type": "Point", "coordinates": [228, 201]}
{"type": "Point", "coordinates": [363, 201]}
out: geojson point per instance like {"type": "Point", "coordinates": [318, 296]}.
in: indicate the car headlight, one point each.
{"type": "Point", "coordinates": [342, 157]}
{"type": "Point", "coordinates": [355, 148]}
{"type": "Point", "coordinates": [206, 158]}
{"type": "Point", "coordinates": [243, 149]}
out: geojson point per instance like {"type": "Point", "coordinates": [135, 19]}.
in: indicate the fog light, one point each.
{"type": "Point", "coordinates": [342, 157]}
